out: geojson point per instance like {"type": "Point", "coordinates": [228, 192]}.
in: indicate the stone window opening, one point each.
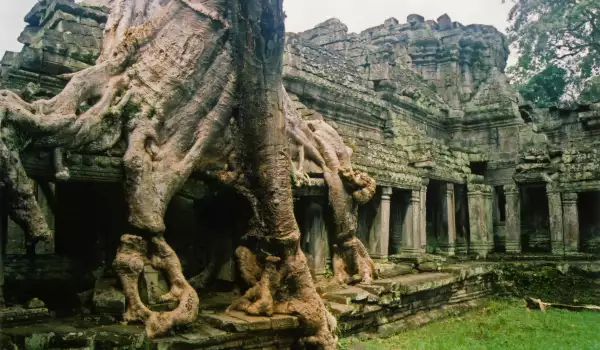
{"type": "Point", "coordinates": [526, 114]}
{"type": "Point", "coordinates": [478, 168]}
{"type": "Point", "coordinates": [376, 84]}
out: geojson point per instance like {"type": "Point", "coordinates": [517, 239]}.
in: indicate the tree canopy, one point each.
{"type": "Point", "coordinates": [545, 88]}
{"type": "Point", "coordinates": [556, 33]}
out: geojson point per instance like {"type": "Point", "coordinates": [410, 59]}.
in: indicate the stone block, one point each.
{"type": "Point", "coordinates": [18, 316]}
{"type": "Point", "coordinates": [153, 285]}
{"type": "Point", "coordinates": [342, 310]}
{"type": "Point", "coordinates": [108, 298]}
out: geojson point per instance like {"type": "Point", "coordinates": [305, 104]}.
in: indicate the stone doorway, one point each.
{"type": "Point", "coordinates": [589, 221]}
{"type": "Point", "coordinates": [535, 219]}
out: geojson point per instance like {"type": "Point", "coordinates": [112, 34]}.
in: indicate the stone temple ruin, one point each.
{"type": "Point", "coordinates": [465, 169]}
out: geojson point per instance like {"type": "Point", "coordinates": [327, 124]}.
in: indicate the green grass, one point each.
{"type": "Point", "coordinates": [501, 325]}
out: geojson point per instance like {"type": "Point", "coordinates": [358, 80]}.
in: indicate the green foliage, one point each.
{"type": "Point", "coordinates": [503, 324]}
{"type": "Point", "coordinates": [591, 91]}
{"type": "Point", "coordinates": [560, 33]}
{"type": "Point", "coordinates": [549, 284]}
{"type": "Point", "coordinates": [545, 88]}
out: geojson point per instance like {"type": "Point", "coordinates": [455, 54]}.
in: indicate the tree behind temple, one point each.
{"type": "Point", "coordinates": [561, 33]}
{"type": "Point", "coordinates": [545, 88]}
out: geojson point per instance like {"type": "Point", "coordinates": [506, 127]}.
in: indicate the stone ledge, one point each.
{"type": "Point", "coordinates": [17, 316]}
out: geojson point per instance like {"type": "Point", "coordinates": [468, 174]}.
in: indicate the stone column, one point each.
{"type": "Point", "coordinates": [556, 220]}
{"type": "Point", "coordinates": [412, 225]}
{"type": "Point", "coordinates": [513, 219]}
{"type": "Point", "coordinates": [423, 218]}
{"type": "Point", "coordinates": [447, 244]}
{"type": "Point", "coordinates": [478, 220]}
{"type": "Point", "coordinates": [399, 208]}
{"type": "Point", "coordinates": [571, 222]}
{"type": "Point", "coordinates": [489, 217]}
{"type": "Point", "coordinates": [380, 237]}
{"type": "Point", "coordinates": [318, 238]}
{"type": "Point", "coordinates": [461, 218]}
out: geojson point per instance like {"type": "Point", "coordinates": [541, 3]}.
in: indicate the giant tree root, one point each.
{"type": "Point", "coordinates": [537, 304]}
{"type": "Point", "coordinates": [285, 286]}
{"type": "Point", "coordinates": [132, 255]}
{"type": "Point", "coordinates": [169, 76]}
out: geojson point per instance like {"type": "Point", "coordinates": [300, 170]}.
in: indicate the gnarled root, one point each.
{"type": "Point", "coordinates": [285, 286]}
{"type": "Point", "coordinates": [61, 171]}
{"type": "Point", "coordinates": [187, 311]}
{"type": "Point", "coordinates": [24, 209]}
{"type": "Point", "coordinates": [129, 264]}
{"type": "Point", "coordinates": [352, 263]}
{"type": "Point", "coordinates": [361, 185]}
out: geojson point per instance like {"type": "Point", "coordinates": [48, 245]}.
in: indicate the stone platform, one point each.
{"type": "Point", "coordinates": [383, 308]}
{"type": "Point", "coordinates": [386, 306]}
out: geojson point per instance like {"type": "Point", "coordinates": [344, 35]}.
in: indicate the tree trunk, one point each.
{"type": "Point", "coordinates": [165, 83]}
{"type": "Point", "coordinates": [285, 284]}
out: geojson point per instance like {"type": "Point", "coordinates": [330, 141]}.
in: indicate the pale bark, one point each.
{"type": "Point", "coordinates": [166, 79]}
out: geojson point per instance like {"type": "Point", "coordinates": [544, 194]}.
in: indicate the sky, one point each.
{"type": "Point", "coordinates": [358, 15]}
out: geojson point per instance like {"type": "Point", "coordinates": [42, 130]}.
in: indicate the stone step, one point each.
{"type": "Point", "coordinates": [416, 282]}
{"type": "Point", "coordinates": [17, 315]}
{"type": "Point", "coordinates": [349, 295]}
{"type": "Point", "coordinates": [237, 321]}
{"type": "Point", "coordinates": [389, 270]}
{"type": "Point", "coordinates": [342, 310]}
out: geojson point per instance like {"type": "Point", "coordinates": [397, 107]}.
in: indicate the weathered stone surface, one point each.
{"type": "Point", "coordinates": [417, 101]}
{"type": "Point", "coordinates": [35, 303]}
{"type": "Point", "coordinates": [108, 298]}
{"type": "Point", "coordinates": [16, 316]}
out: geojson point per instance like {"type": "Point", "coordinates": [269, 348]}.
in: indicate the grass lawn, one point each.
{"type": "Point", "coordinates": [503, 324]}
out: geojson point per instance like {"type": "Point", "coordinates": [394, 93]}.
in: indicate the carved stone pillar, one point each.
{"type": "Point", "coordinates": [462, 220]}
{"type": "Point", "coordinates": [571, 222]}
{"type": "Point", "coordinates": [412, 225]}
{"type": "Point", "coordinates": [513, 218]}
{"type": "Point", "coordinates": [447, 245]}
{"type": "Point", "coordinates": [423, 218]}
{"type": "Point", "coordinates": [380, 237]}
{"type": "Point", "coordinates": [399, 212]}
{"type": "Point", "coordinates": [556, 220]}
{"type": "Point", "coordinates": [315, 239]}
{"type": "Point", "coordinates": [489, 218]}
{"type": "Point", "coordinates": [478, 219]}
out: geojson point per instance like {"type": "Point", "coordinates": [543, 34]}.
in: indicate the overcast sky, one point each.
{"type": "Point", "coordinates": [305, 14]}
